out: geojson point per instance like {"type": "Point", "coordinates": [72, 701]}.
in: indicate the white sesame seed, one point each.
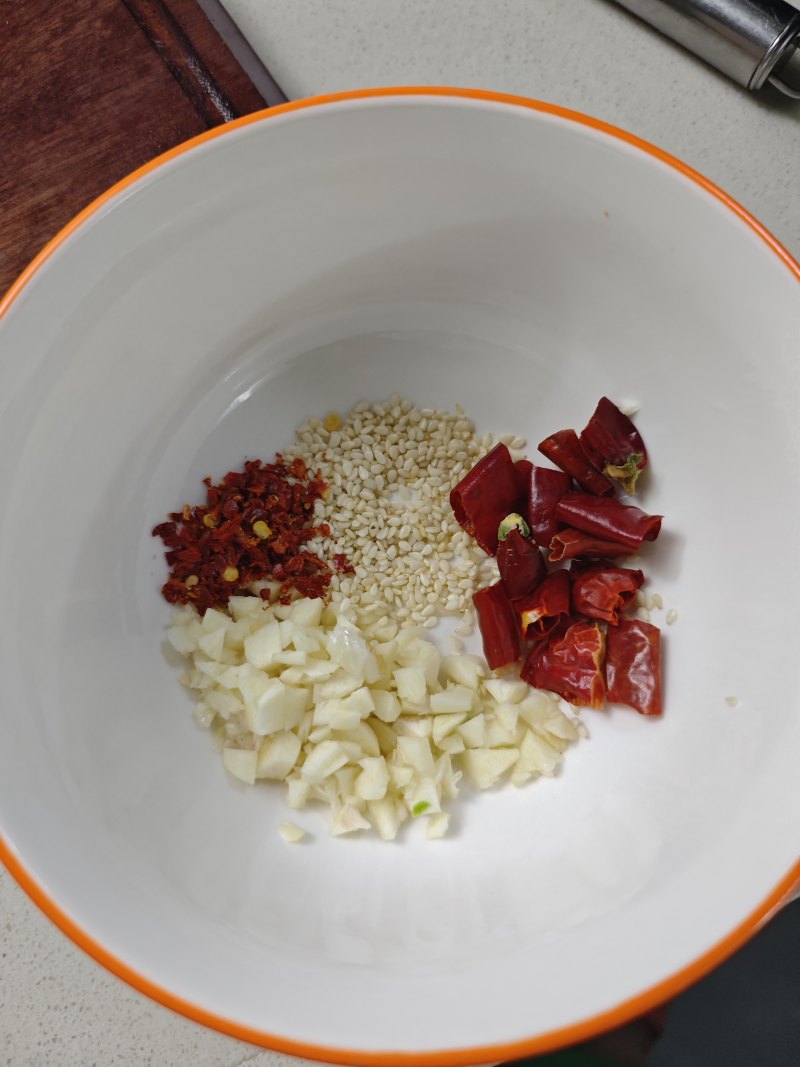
{"type": "Point", "coordinates": [391, 467]}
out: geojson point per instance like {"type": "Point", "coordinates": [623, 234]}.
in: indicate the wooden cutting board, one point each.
{"type": "Point", "coordinates": [92, 89]}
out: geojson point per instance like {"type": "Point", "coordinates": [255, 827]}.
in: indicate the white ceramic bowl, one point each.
{"type": "Point", "coordinates": [452, 247]}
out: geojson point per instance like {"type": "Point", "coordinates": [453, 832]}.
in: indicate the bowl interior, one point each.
{"type": "Point", "coordinates": [450, 250]}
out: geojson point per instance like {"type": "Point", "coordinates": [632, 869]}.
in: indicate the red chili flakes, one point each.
{"type": "Point", "coordinates": [253, 527]}
{"type": "Point", "coordinates": [342, 565]}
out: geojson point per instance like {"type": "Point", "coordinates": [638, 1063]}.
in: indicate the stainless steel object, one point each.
{"type": "Point", "coordinates": [752, 41]}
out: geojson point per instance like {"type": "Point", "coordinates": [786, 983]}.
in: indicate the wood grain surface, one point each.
{"type": "Point", "coordinates": [92, 89]}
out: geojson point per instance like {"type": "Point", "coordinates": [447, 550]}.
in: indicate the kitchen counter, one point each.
{"type": "Point", "coordinates": [57, 1006]}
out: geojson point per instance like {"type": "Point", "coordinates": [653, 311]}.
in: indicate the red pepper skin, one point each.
{"type": "Point", "coordinates": [521, 565]}
{"type": "Point", "coordinates": [614, 445]}
{"type": "Point", "coordinates": [523, 467]}
{"type": "Point", "coordinates": [545, 488]}
{"type": "Point", "coordinates": [603, 592]}
{"type": "Point", "coordinates": [484, 497]}
{"type": "Point", "coordinates": [542, 610]}
{"type": "Point", "coordinates": [570, 664]}
{"type": "Point", "coordinates": [498, 626]}
{"type": "Point", "coordinates": [564, 449]}
{"type": "Point", "coordinates": [577, 544]}
{"type": "Point", "coordinates": [608, 519]}
{"type": "Point", "coordinates": [633, 666]}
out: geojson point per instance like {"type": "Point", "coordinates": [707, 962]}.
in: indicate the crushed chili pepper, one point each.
{"type": "Point", "coordinates": [342, 565]}
{"type": "Point", "coordinates": [216, 550]}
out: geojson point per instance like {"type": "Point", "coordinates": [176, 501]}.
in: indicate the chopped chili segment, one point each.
{"type": "Point", "coordinates": [564, 449]}
{"type": "Point", "coordinates": [570, 664]}
{"type": "Point", "coordinates": [577, 544]}
{"type": "Point", "coordinates": [633, 666]}
{"type": "Point", "coordinates": [545, 488]}
{"type": "Point", "coordinates": [543, 609]}
{"type": "Point", "coordinates": [614, 445]}
{"type": "Point", "coordinates": [498, 626]}
{"type": "Point", "coordinates": [608, 519]}
{"type": "Point", "coordinates": [521, 565]}
{"type": "Point", "coordinates": [483, 498]}
{"type": "Point", "coordinates": [580, 641]}
{"type": "Point", "coordinates": [254, 526]}
{"type": "Point", "coordinates": [603, 592]}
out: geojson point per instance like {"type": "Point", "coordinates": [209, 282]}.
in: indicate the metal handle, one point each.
{"type": "Point", "coordinates": [751, 41]}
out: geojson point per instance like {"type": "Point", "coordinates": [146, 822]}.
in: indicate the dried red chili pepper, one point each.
{"type": "Point", "coordinates": [602, 592]}
{"type": "Point", "coordinates": [254, 526]}
{"type": "Point", "coordinates": [542, 610]}
{"type": "Point", "coordinates": [633, 666]}
{"type": "Point", "coordinates": [498, 626]}
{"type": "Point", "coordinates": [521, 565]}
{"type": "Point", "coordinates": [577, 544]}
{"type": "Point", "coordinates": [608, 519]}
{"type": "Point", "coordinates": [614, 445]}
{"type": "Point", "coordinates": [545, 488]}
{"type": "Point", "coordinates": [483, 498]}
{"type": "Point", "coordinates": [570, 664]}
{"type": "Point", "coordinates": [564, 449]}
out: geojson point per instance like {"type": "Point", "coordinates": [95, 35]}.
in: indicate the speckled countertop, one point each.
{"type": "Point", "coordinates": [58, 1008]}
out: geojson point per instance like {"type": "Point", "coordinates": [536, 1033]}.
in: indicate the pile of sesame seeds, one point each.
{"type": "Point", "coordinates": [390, 468]}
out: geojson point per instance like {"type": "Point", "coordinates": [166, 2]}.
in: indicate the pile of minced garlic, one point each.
{"type": "Point", "coordinates": [371, 720]}
{"type": "Point", "coordinates": [390, 468]}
